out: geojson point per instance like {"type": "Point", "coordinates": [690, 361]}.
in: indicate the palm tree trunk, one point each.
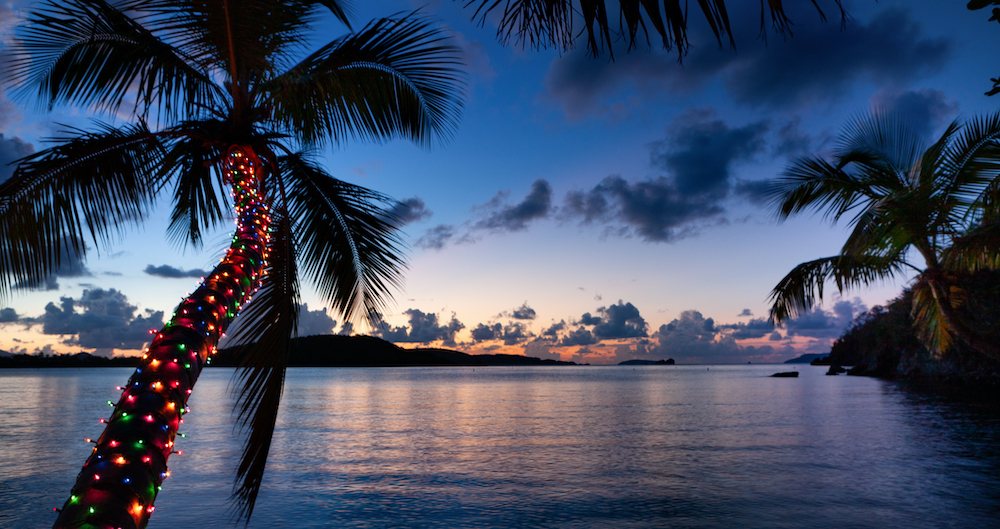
{"type": "Point", "coordinates": [119, 482]}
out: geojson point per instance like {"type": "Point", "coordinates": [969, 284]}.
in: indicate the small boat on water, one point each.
{"type": "Point", "coordinates": [786, 374]}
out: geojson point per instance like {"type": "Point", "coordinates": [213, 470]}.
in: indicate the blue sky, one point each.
{"type": "Point", "coordinates": [578, 189]}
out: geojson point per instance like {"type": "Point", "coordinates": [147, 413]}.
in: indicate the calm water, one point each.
{"type": "Point", "coordinates": [655, 446]}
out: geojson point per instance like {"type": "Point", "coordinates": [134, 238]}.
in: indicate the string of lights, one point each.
{"type": "Point", "coordinates": [119, 481]}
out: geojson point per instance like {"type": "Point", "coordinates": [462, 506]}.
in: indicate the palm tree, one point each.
{"type": "Point", "coordinates": [239, 104]}
{"type": "Point", "coordinates": [550, 23]}
{"type": "Point", "coordinates": [900, 197]}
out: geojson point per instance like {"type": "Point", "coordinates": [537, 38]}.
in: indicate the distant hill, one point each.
{"type": "Point", "coordinates": [638, 362]}
{"type": "Point", "coordinates": [369, 351]}
{"type": "Point", "coordinates": [804, 359]}
{"type": "Point", "coordinates": [67, 360]}
{"type": "Point", "coordinates": [311, 351]}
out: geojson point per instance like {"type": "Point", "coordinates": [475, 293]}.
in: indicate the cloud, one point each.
{"type": "Point", "coordinates": [620, 321]}
{"type": "Point", "coordinates": [692, 338]}
{"type": "Point", "coordinates": [8, 315]}
{"type": "Point", "coordinates": [437, 237]}
{"type": "Point", "coordinates": [820, 323]}
{"type": "Point", "coordinates": [524, 312]}
{"type": "Point", "coordinates": [744, 313]}
{"type": "Point", "coordinates": [536, 205]}
{"type": "Point", "coordinates": [587, 319]}
{"type": "Point", "coordinates": [698, 153]}
{"type": "Point", "coordinates": [818, 64]}
{"type": "Point", "coordinates": [409, 211]}
{"type": "Point", "coordinates": [313, 322]}
{"type": "Point", "coordinates": [821, 64]}
{"type": "Point", "coordinates": [423, 328]}
{"type": "Point", "coordinates": [581, 336]}
{"type": "Point", "coordinates": [540, 348]}
{"type": "Point", "coordinates": [346, 329]}
{"type": "Point", "coordinates": [791, 139]}
{"type": "Point", "coordinates": [173, 273]}
{"type": "Point", "coordinates": [107, 321]}
{"type": "Point", "coordinates": [700, 149]}
{"type": "Point", "coordinates": [515, 333]}
{"type": "Point", "coordinates": [755, 328]}
{"type": "Point", "coordinates": [11, 150]}
{"type": "Point", "coordinates": [925, 109]}
{"type": "Point", "coordinates": [553, 330]}
{"type": "Point", "coordinates": [483, 332]}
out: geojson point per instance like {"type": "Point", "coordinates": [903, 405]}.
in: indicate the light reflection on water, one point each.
{"type": "Point", "coordinates": [656, 446]}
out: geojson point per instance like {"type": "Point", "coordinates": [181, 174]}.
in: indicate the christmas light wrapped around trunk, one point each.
{"type": "Point", "coordinates": [119, 482]}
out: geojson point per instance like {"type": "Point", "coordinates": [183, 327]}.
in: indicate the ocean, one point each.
{"type": "Point", "coordinates": [545, 447]}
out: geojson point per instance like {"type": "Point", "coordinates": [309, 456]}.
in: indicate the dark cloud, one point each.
{"type": "Point", "coordinates": [775, 337]}
{"type": "Point", "coordinates": [8, 315]}
{"type": "Point", "coordinates": [346, 329]}
{"type": "Point", "coordinates": [581, 336]}
{"type": "Point", "coordinates": [823, 63]}
{"type": "Point", "coordinates": [312, 322]}
{"type": "Point", "coordinates": [791, 140]}
{"type": "Point", "coordinates": [524, 312]}
{"type": "Point", "coordinates": [436, 237]}
{"type": "Point", "coordinates": [620, 321]}
{"type": "Point", "coordinates": [819, 323]}
{"type": "Point", "coordinates": [755, 328]}
{"type": "Point", "coordinates": [692, 338]}
{"type": "Point", "coordinates": [700, 149]}
{"type": "Point", "coordinates": [745, 313]}
{"type": "Point", "coordinates": [515, 333]}
{"type": "Point", "coordinates": [553, 330]}
{"type": "Point", "coordinates": [818, 64]}
{"type": "Point", "coordinates": [536, 205]}
{"type": "Point", "coordinates": [409, 211]}
{"type": "Point", "coordinates": [11, 150]}
{"type": "Point", "coordinates": [698, 153]}
{"type": "Point", "coordinates": [107, 321]}
{"type": "Point", "coordinates": [540, 348]}
{"type": "Point", "coordinates": [925, 110]}
{"type": "Point", "coordinates": [753, 191]}
{"type": "Point", "coordinates": [173, 273]}
{"type": "Point", "coordinates": [423, 328]}
{"type": "Point", "coordinates": [587, 319]}
{"type": "Point", "coordinates": [487, 332]}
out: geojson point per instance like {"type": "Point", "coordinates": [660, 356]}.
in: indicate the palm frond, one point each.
{"type": "Point", "coordinates": [199, 200]}
{"type": "Point", "coordinates": [88, 187]}
{"type": "Point", "coordinates": [803, 287]}
{"type": "Point", "coordinates": [261, 36]}
{"type": "Point", "coordinates": [263, 332]}
{"type": "Point", "coordinates": [974, 162]}
{"type": "Point", "coordinates": [393, 78]}
{"type": "Point", "coordinates": [346, 240]}
{"type": "Point", "coordinates": [541, 24]}
{"type": "Point", "coordinates": [976, 249]}
{"type": "Point", "coordinates": [884, 145]}
{"type": "Point", "coordinates": [89, 53]}
{"type": "Point", "coordinates": [815, 184]}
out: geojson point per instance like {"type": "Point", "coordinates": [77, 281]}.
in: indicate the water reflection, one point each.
{"type": "Point", "coordinates": [653, 446]}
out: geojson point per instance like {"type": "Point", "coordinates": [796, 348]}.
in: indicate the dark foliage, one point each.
{"type": "Point", "coordinates": [882, 342]}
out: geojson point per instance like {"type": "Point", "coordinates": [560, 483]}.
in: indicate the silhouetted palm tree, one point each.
{"type": "Point", "coordinates": [899, 197]}
{"type": "Point", "coordinates": [552, 23]}
{"type": "Point", "coordinates": [236, 99]}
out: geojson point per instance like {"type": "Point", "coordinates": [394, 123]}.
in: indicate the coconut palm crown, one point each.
{"type": "Point", "coordinates": [900, 196]}
{"type": "Point", "coordinates": [225, 95]}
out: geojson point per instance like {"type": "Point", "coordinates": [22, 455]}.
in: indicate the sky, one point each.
{"type": "Point", "coordinates": [584, 209]}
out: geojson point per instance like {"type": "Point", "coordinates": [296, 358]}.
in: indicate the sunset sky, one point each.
{"type": "Point", "coordinates": [584, 209]}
